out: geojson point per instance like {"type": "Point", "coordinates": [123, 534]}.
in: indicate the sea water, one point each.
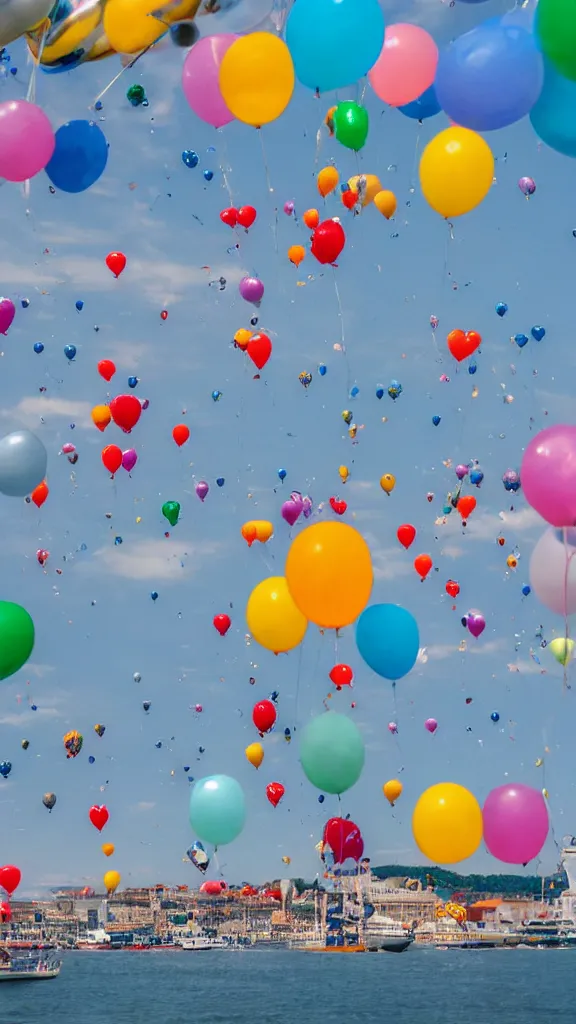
{"type": "Point", "coordinates": [420, 986]}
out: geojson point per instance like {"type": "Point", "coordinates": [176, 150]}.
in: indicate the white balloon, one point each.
{"type": "Point", "coordinates": [553, 571]}
{"type": "Point", "coordinates": [17, 16]}
{"type": "Point", "coordinates": [237, 16]}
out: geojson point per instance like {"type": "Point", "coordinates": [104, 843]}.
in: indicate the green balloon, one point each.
{"type": "Point", "coordinates": [217, 809]}
{"type": "Point", "coordinates": [16, 638]}
{"type": "Point", "coordinates": [351, 125]}
{"type": "Point", "coordinates": [555, 26]}
{"type": "Point", "coordinates": [332, 752]}
{"type": "Point", "coordinates": [171, 511]}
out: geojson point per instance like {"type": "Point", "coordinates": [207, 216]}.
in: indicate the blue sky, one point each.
{"type": "Point", "coordinates": [96, 623]}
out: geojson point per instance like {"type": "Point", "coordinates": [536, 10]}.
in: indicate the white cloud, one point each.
{"type": "Point", "coordinates": [452, 551]}
{"type": "Point", "coordinates": [155, 560]}
{"type": "Point", "coordinates": [34, 408]}
{"type": "Point", "coordinates": [39, 670]}
{"type": "Point", "coordinates": [24, 719]}
{"type": "Point", "coordinates": [144, 805]}
{"type": "Point", "coordinates": [388, 563]}
{"type": "Point", "coordinates": [487, 526]}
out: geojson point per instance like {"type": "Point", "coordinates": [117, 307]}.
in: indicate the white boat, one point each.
{"type": "Point", "coordinates": [202, 943]}
{"type": "Point", "coordinates": [27, 968]}
{"type": "Point", "coordinates": [386, 934]}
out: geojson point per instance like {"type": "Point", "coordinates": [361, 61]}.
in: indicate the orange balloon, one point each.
{"type": "Point", "coordinates": [241, 338]}
{"type": "Point", "coordinates": [108, 849]}
{"type": "Point", "coordinates": [327, 181]}
{"type": "Point", "coordinates": [296, 254]}
{"type": "Point", "coordinates": [466, 506]}
{"type": "Point", "coordinates": [250, 533]}
{"type": "Point", "coordinates": [39, 494]}
{"type": "Point", "coordinates": [181, 433]}
{"type": "Point", "coordinates": [311, 219]}
{"type": "Point", "coordinates": [423, 564]}
{"type": "Point", "coordinates": [101, 416]}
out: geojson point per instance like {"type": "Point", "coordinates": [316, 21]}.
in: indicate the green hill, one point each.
{"type": "Point", "coordinates": [509, 885]}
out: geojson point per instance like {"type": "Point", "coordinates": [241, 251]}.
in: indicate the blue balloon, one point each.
{"type": "Point", "coordinates": [520, 340]}
{"type": "Point", "coordinates": [490, 77]}
{"type": "Point", "coordinates": [132, 382]}
{"type": "Point", "coordinates": [38, 347]}
{"type": "Point", "coordinates": [425, 106]}
{"type": "Point", "coordinates": [331, 43]}
{"type": "Point", "coordinates": [80, 156]}
{"type": "Point", "coordinates": [388, 640]}
{"type": "Point", "coordinates": [554, 115]}
{"type": "Point", "coordinates": [436, 420]}
{"type": "Point", "coordinates": [538, 333]}
{"type": "Point", "coordinates": [70, 351]}
{"type": "Point", "coordinates": [501, 308]}
{"type": "Point", "coordinates": [217, 809]}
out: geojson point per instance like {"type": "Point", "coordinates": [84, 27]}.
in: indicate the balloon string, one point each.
{"type": "Point", "coordinates": [416, 151]}
{"type": "Point", "coordinates": [119, 75]}
{"type": "Point", "coordinates": [568, 559]}
{"type": "Point", "coordinates": [225, 166]}
{"type": "Point", "coordinates": [270, 189]}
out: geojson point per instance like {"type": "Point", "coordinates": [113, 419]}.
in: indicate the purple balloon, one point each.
{"type": "Point", "coordinates": [476, 623]}
{"type": "Point", "coordinates": [461, 471]}
{"type": "Point", "coordinates": [291, 510]}
{"type": "Point", "coordinates": [7, 312]}
{"type": "Point", "coordinates": [289, 208]}
{"type": "Point", "coordinates": [393, 728]}
{"type": "Point", "coordinates": [307, 507]}
{"type": "Point", "coordinates": [431, 724]}
{"type": "Point", "coordinates": [527, 186]}
{"type": "Point", "coordinates": [202, 489]}
{"type": "Point", "coordinates": [251, 289]}
{"type": "Point", "coordinates": [129, 459]}
{"type": "Point", "coordinates": [548, 472]}
{"type": "Point", "coordinates": [515, 823]}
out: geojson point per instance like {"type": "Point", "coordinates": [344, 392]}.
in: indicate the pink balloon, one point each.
{"type": "Point", "coordinates": [26, 140]}
{"type": "Point", "coordinates": [7, 313]}
{"type": "Point", "coordinates": [406, 66]}
{"type": "Point", "coordinates": [200, 79]}
{"type": "Point", "coordinates": [515, 823]}
{"type": "Point", "coordinates": [431, 724]}
{"type": "Point", "coordinates": [129, 459]}
{"type": "Point", "coordinates": [548, 472]}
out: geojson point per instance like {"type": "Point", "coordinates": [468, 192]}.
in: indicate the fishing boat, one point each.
{"type": "Point", "coordinates": [383, 933]}
{"type": "Point", "coordinates": [18, 967]}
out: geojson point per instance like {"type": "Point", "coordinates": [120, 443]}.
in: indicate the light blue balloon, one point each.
{"type": "Point", "coordinates": [388, 640]}
{"type": "Point", "coordinates": [334, 43]}
{"type": "Point", "coordinates": [217, 809]}
{"type": "Point", "coordinates": [490, 77]}
{"type": "Point", "coordinates": [23, 462]}
{"type": "Point", "coordinates": [554, 115]}
{"type": "Point", "coordinates": [425, 106]}
{"type": "Point", "coordinates": [332, 752]}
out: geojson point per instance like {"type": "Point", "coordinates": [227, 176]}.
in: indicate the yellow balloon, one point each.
{"type": "Point", "coordinates": [388, 482]}
{"type": "Point", "coordinates": [456, 171]}
{"type": "Point", "coordinates": [131, 27]}
{"type": "Point", "coordinates": [329, 573]}
{"type": "Point", "coordinates": [385, 203]}
{"type": "Point", "coordinates": [327, 180]}
{"type": "Point", "coordinates": [344, 473]}
{"type": "Point", "coordinates": [112, 880]}
{"type": "Point", "coordinates": [562, 649]}
{"type": "Point", "coordinates": [447, 823]}
{"type": "Point", "coordinates": [367, 186]}
{"type": "Point", "coordinates": [241, 338]}
{"type": "Point", "coordinates": [296, 254]}
{"type": "Point", "coordinates": [257, 78]}
{"type": "Point", "coordinates": [392, 790]}
{"type": "Point", "coordinates": [255, 754]}
{"type": "Point", "coordinates": [273, 618]}
{"type": "Point", "coordinates": [107, 849]}
{"type": "Point", "coordinates": [257, 529]}
{"type": "Point", "coordinates": [101, 416]}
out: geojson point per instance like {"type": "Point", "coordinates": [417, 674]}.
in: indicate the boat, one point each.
{"type": "Point", "coordinates": [202, 943]}
{"type": "Point", "coordinates": [383, 933]}
{"type": "Point", "coordinates": [27, 968]}
{"type": "Point", "coordinates": [541, 934]}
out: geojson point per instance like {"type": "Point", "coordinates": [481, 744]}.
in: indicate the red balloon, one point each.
{"type": "Point", "coordinates": [5, 913]}
{"type": "Point", "coordinates": [328, 241]}
{"type": "Point", "coordinates": [10, 878]}
{"type": "Point", "coordinates": [349, 198]}
{"type": "Point", "coordinates": [126, 411]}
{"type": "Point", "coordinates": [112, 458]}
{"type": "Point", "coordinates": [39, 494]}
{"type": "Point", "coordinates": [246, 216]}
{"type": "Point", "coordinates": [229, 216]}
{"type": "Point", "coordinates": [98, 816]}
{"type": "Point", "coordinates": [406, 534]}
{"type": "Point", "coordinates": [341, 675]}
{"type": "Point", "coordinates": [259, 349]}
{"type": "Point", "coordinates": [181, 433]}
{"type": "Point", "coordinates": [106, 369]}
{"type": "Point", "coordinates": [344, 839]}
{"type": "Point", "coordinates": [222, 623]}
{"type": "Point", "coordinates": [164, 314]}
{"type": "Point", "coordinates": [338, 506]}
{"type": "Point", "coordinates": [452, 588]}
{"type": "Point", "coordinates": [275, 791]}
{"type": "Point", "coordinates": [462, 344]}
{"type": "Point", "coordinates": [213, 888]}
{"type": "Point", "coordinates": [423, 564]}
{"type": "Point", "coordinates": [264, 715]}
{"type": "Point", "coordinates": [116, 261]}
{"type": "Point", "coordinates": [466, 506]}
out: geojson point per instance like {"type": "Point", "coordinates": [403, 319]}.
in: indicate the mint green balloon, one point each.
{"type": "Point", "coordinates": [351, 124]}
{"type": "Point", "coordinates": [217, 809]}
{"type": "Point", "coordinates": [16, 638]}
{"type": "Point", "coordinates": [332, 752]}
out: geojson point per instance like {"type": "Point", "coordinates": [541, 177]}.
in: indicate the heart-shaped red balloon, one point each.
{"type": "Point", "coordinates": [98, 816]}
{"type": "Point", "coordinates": [466, 506]}
{"type": "Point", "coordinates": [462, 344]}
{"type": "Point", "coordinates": [229, 216]}
{"type": "Point", "coordinates": [10, 878]}
{"type": "Point", "coordinates": [246, 216]}
{"type": "Point", "coordinates": [259, 349]}
{"type": "Point", "coordinates": [452, 588]}
{"type": "Point", "coordinates": [275, 791]}
{"type": "Point", "coordinates": [338, 506]}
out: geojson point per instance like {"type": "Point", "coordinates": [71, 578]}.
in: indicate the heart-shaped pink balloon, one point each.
{"type": "Point", "coordinates": [129, 459]}
{"type": "Point", "coordinates": [291, 510]}
{"type": "Point", "coordinates": [476, 623]}
{"type": "Point", "coordinates": [7, 312]}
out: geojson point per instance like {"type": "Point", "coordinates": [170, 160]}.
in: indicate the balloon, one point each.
{"type": "Point", "coordinates": [341, 675]}
{"type": "Point", "coordinates": [111, 881]}
{"type": "Point", "coordinates": [556, 32]}
{"type": "Point", "coordinates": [229, 216]}
{"type": "Point", "coordinates": [406, 66]}
{"type": "Point", "coordinates": [222, 624]}
{"type": "Point", "coordinates": [16, 16]}
{"type": "Point", "coordinates": [10, 878]}
{"type": "Point", "coordinates": [392, 790]}
{"type": "Point", "coordinates": [101, 416]}
{"type": "Point", "coordinates": [106, 369]}
{"type": "Point", "coordinates": [201, 79]}
{"type": "Point", "coordinates": [388, 483]}
{"type": "Point", "coordinates": [257, 529]}
{"type": "Point", "coordinates": [116, 262]}
{"type": "Point", "coordinates": [273, 618]}
{"type": "Point", "coordinates": [296, 254]}
{"type": "Point", "coordinates": [424, 107]}
{"type": "Point", "coordinates": [327, 181]}
{"type": "Point", "coordinates": [275, 791]}
{"type": "Point", "coordinates": [80, 156]}
{"type": "Point", "coordinates": [431, 725]}
{"type": "Point", "coordinates": [562, 648]}
{"type": "Point", "coordinates": [385, 203]}
{"type": "Point", "coordinates": [199, 857]}
{"type": "Point", "coordinates": [240, 16]}
{"type": "Point", "coordinates": [251, 289]}
{"type": "Point", "coordinates": [553, 571]}
{"type": "Point", "coordinates": [16, 638]}
{"type": "Point", "coordinates": [462, 344]}
{"type": "Point", "coordinates": [366, 186]}
{"type": "Point", "coordinates": [99, 816]}
{"type": "Point", "coordinates": [181, 433]}
{"type": "Point", "coordinates": [217, 809]}
{"type": "Point", "coordinates": [126, 411]}
{"type": "Point", "coordinates": [423, 564]}
{"type": "Point", "coordinates": [73, 742]}
{"type": "Point", "coordinates": [447, 823]}
{"type": "Point", "coordinates": [351, 124]}
{"type": "Point", "coordinates": [75, 35]}
{"type": "Point", "coordinates": [489, 77]}
{"type": "Point", "coordinates": [246, 216]}
{"type": "Point", "coordinates": [388, 640]}
{"type": "Point", "coordinates": [406, 535]}
{"type": "Point", "coordinates": [332, 45]}
{"type": "Point", "coordinates": [456, 171]}
{"type": "Point", "coordinates": [259, 349]}
{"type": "Point", "coordinates": [26, 140]}
{"type": "Point", "coordinates": [257, 78]}
{"type": "Point", "coordinates": [23, 463]}
{"type": "Point", "coordinates": [328, 241]}
{"type": "Point", "coordinates": [131, 26]}
{"type": "Point", "coordinates": [329, 573]}
{"type": "Point", "coordinates": [311, 219]}
{"type": "Point", "coordinates": [476, 623]}
{"type": "Point", "coordinates": [112, 458]}
{"type": "Point", "coordinates": [515, 823]}
{"type": "Point", "coordinates": [553, 116]}
{"type": "Point", "coordinates": [107, 849]}
{"type": "Point", "coordinates": [452, 588]}
{"type": "Point", "coordinates": [466, 505]}
{"type": "Point", "coordinates": [547, 475]}
{"type": "Point", "coordinates": [39, 494]}
{"type": "Point", "coordinates": [344, 839]}
{"type": "Point", "coordinates": [291, 510]}
{"type": "Point", "coordinates": [332, 752]}
{"type": "Point", "coordinates": [255, 754]}
{"type": "Point", "coordinates": [264, 715]}
{"type": "Point", "coordinates": [7, 314]}
{"type": "Point", "coordinates": [129, 459]}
